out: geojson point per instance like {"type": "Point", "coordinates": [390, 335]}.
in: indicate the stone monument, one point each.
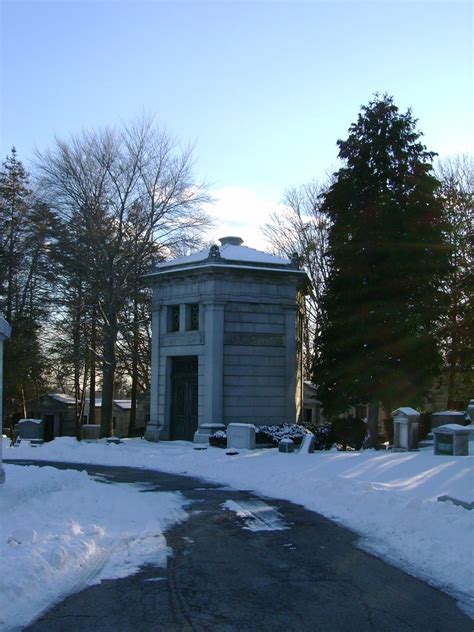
{"type": "Point", "coordinates": [226, 341]}
{"type": "Point", "coordinates": [5, 332]}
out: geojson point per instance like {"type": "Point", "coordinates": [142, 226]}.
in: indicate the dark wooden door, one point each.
{"type": "Point", "coordinates": [184, 398]}
{"type": "Point", "coordinates": [48, 427]}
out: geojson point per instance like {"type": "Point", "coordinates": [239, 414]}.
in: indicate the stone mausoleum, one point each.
{"type": "Point", "coordinates": [226, 341]}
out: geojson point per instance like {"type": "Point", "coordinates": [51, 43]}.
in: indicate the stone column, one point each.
{"type": "Point", "coordinates": [5, 332]}
{"type": "Point", "coordinates": [213, 367]}
{"type": "Point", "coordinates": [152, 432]}
{"type": "Point", "coordinates": [290, 364]}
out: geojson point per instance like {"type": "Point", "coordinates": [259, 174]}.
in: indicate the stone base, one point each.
{"type": "Point", "coordinates": [152, 433]}
{"type": "Point", "coordinates": [203, 432]}
{"type": "Point", "coordinates": [241, 436]}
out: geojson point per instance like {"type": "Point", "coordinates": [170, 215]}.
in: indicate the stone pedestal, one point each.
{"type": "Point", "coordinates": [405, 428]}
{"type": "Point", "coordinates": [204, 431]}
{"type": "Point", "coordinates": [90, 432]}
{"type": "Point", "coordinates": [241, 436]}
{"type": "Point", "coordinates": [286, 445]}
{"type": "Point", "coordinates": [451, 440]}
{"type": "Point", "coordinates": [29, 429]}
{"type": "Point", "coordinates": [448, 417]}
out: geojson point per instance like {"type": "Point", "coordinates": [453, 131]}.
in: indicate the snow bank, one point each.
{"type": "Point", "coordinates": [388, 498]}
{"type": "Point", "coordinates": [61, 531]}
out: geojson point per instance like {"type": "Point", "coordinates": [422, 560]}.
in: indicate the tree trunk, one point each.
{"type": "Point", "coordinates": [372, 440]}
{"type": "Point", "coordinates": [133, 406]}
{"type": "Point", "coordinates": [452, 359]}
{"type": "Point", "coordinates": [76, 351]}
{"type": "Point", "coordinates": [108, 375]}
{"type": "Point", "coordinates": [92, 352]}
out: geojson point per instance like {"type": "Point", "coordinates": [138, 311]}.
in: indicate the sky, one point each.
{"type": "Point", "coordinates": [263, 90]}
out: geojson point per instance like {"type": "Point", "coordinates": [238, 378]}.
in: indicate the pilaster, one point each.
{"type": "Point", "coordinates": [290, 364]}
{"type": "Point", "coordinates": [214, 363]}
{"type": "Point", "coordinates": [154, 426]}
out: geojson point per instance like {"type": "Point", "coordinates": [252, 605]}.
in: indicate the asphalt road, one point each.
{"type": "Point", "coordinates": [224, 578]}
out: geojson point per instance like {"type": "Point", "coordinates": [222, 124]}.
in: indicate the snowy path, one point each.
{"type": "Point", "coordinates": [224, 576]}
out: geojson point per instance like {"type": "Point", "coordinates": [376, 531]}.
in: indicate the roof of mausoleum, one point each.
{"type": "Point", "coordinates": [5, 329]}
{"type": "Point", "coordinates": [230, 254]}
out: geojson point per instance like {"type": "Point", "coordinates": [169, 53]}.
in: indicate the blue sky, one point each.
{"type": "Point", "coordinates": [263, 89]}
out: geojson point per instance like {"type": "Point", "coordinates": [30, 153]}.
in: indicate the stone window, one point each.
{"type": "Point", "coordinates": [192, 316]}
{"type": "Point", "coordinates": [173, 318]}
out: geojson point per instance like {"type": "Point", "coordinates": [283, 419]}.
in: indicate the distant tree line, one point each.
{"type": "Point", "coordinates": [388, 245]}
{"type": "Point", "coordinates": [76, 238]}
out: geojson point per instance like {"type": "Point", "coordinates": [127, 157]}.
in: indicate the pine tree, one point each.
{"type": "Point", "coordinates": [387, 257]}
{"type": "Point", "coordinates": [26, 228]}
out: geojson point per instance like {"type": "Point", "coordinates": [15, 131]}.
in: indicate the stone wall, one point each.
{"type": "Point", "coordinates": [254, 363]}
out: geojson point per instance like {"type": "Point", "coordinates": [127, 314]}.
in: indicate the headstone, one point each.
{"type": "Point", "coordinates": [448, 417]}
{"type": "Point", "coordinates": [241, 436]}
{"type": "Point", "coordinates": [470, 410]}
{"type": "Point", "coordinates": [451, 440]}
{"type": "Point", "coordinates": [29, 429]}
{"type": "Point", "coordinates": [286, 445]}
{"type": "Point", "coordinates": [113, 440]}
{"type": "Point", "coordinates": [405, 428]}
{"type": "Point", "coordinates": [90, 432]}
{"type": "Point", "coordinates": [307, 445]}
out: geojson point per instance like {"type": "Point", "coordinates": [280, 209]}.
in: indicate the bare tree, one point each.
{"type": "Point", "coordinates": [302, 228]}
{"type": "Point", "coordinates": [456, 325]}
{"type": "Point", "coordinates": [126, 194]}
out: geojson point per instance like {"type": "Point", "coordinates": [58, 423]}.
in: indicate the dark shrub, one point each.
{"type": "Point", "coordinates": [388, 425]}
{"type": "Point", "coordinates": [265, 435]}
{"type": "Point", "coordinates": [348, 433]}
{"type": "Point", "coordinates": [424, 427]}
{"type": "Point", "coordinates": [218, 439]}
{"type": "Point", "coordinates": [323, 437]}
{"type": "Point", "coordinates": [274, 434]}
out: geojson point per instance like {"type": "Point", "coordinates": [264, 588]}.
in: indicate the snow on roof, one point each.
{"type": "Point", "coordinates": [455, 413]}
{"type": "Point", "coordinates": [62, 397]}
{"type": "Point", "coordinates": [125, 404]}
{"type": "Point", "coordinates": [230, 250]}
{"type": "Point", "coordinates": [405, 410]}
{"type": "Point", "coordinates": [5, 329]}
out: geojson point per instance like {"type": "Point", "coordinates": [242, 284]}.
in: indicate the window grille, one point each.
{"type": "Point", "coordinates": [173, 318]}
{"type": "Point", "coordinates": [193, 316]}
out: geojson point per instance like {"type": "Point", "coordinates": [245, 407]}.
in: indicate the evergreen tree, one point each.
{"type": "Point", "coordinates": [26, 235]}
{"type": "Point", "coordinates": [387, 257]}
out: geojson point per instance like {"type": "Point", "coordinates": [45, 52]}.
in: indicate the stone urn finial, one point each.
{"type": "Point", "coordinates": [214, 253]}
{"type": "Point", "coordinates": [295, 260]}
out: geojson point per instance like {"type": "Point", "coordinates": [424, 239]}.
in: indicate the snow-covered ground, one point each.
{"type": "Point", "coordinates": [57, 527]}
{"type": "Point", "coordinates": [61, 531]}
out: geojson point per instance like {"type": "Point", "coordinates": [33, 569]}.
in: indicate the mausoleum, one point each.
{"type": "Point", "coordinates": [226, 341]}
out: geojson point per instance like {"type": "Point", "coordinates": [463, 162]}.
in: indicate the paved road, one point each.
{"type": "Point", "coordinates": [224, 578]}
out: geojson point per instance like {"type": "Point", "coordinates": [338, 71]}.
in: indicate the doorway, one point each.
{"type": "Point", "coordinates": [48, 427]}
{"type": "Point", "coordinates": [184, 398]}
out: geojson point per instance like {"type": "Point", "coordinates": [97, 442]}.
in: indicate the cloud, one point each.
{"type": "Point", "coordinates": [241, 212]}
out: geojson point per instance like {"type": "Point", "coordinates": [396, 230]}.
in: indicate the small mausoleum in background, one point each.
{"type": "Point", "coordinates": [226, 341]}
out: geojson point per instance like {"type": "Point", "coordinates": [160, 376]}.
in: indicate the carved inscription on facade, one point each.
{"type": "Point", "coordinates": [254, 340]}
{"type": "Point", "coordinates": [182, 339]}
